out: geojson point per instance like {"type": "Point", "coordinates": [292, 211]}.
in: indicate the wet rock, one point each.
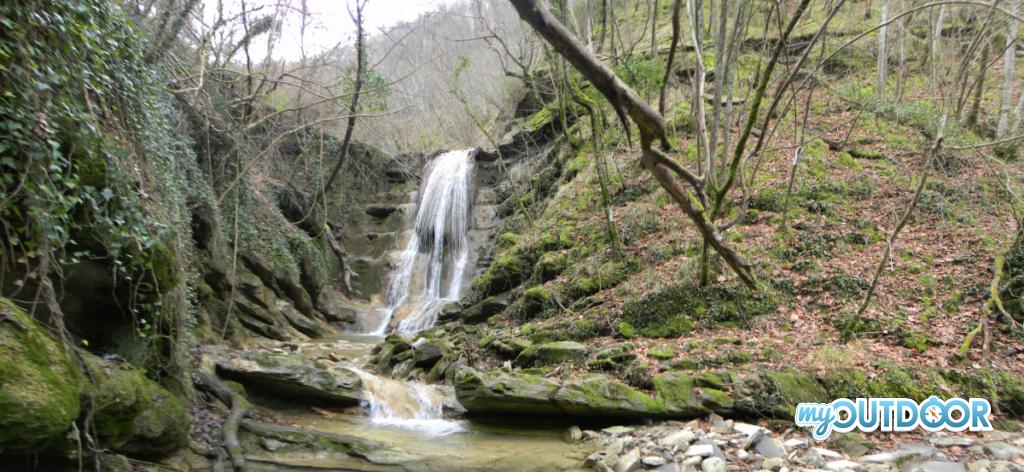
{"type": "Point", "coordinates": [629, 461]}
{"type": "Point", "coordinates": [487, 308]}
{"type": "Point", "coordinates": [552, 353]}
{"type": "Point", "coordinates": [713, 464]}
{"type": "Point", "coordinates": [427, 353]}
{"type": "Point", "coordinates": [292, 376]}
{"type": "Point", "coordinates": [573, 434]}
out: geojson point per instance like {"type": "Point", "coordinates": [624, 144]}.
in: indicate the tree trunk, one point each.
{"type": "Point", "coordinates": [671, 55]}
{"type": "Point", "coordinates": [354, 104]}
{"type": "Point", "coordinates": [883, 56]}
{"type": "Point", "coordinates": [1006, 97]}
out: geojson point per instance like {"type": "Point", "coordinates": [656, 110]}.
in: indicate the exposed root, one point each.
{"type": "Point", "coordinates": [240, 408]}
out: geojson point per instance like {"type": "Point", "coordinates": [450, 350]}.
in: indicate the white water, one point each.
{"type": "Point", "coordinates": [407, 405]}
{"type": "Point", "coordinates": [432, 264]}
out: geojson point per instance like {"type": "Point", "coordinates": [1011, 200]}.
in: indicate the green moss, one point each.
{"type": "Point", "coordinates": [133, 413]}
{"type": "Point", "coordinates": [626, 330]}
{"type": "Point", "coordinates": [608, 275]}
{"type": "Point", "coordinates": [506, 272]}
{"type": "Point", "coordinates": [661, 354]}
{"type": "Point", "coordinates": [551, 265]}
{"type": "Point", "coordinates": [38, 384]}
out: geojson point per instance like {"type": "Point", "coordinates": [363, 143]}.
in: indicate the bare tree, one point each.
{"type": "Point", "coordinates": [1006, 95]}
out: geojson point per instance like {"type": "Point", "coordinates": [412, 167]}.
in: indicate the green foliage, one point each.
{"type": "Point", "coordinates": [81, 112]}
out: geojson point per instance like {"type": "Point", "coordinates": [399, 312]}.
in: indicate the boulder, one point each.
{"type": "Point", "coordinates": [505, 393]}
{"type": "Point", "coordinates": [426, 353]}
{"type": "Point", "coordinates": [133, 414]}
{"type": "Point", "coordinates": [552, 353]}
{"type": "Point", "coordinates": [39, 383]}
{"type": "Point", "coordinates": [293, 376]}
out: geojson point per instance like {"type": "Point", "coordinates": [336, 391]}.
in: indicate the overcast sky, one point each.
{"type": "Point", "coordinates": [330, 22]}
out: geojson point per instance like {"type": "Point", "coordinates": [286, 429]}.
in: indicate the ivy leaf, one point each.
{"type": "Point", "coordinates": [107, 194]}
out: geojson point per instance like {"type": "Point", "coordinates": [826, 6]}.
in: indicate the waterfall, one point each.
{"type": "Point", "coordinates": [431, 266]}
{"type": "Point", "coordinates": [408, 405]}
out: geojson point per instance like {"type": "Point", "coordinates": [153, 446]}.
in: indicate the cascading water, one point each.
{"type": "Point", "coordinates": [432, 264]}
{"type": "Point", "coordinates": [407, 405]}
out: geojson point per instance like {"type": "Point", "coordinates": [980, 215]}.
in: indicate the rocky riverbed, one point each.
{"type": "Point", "coordinates": [715, 444]}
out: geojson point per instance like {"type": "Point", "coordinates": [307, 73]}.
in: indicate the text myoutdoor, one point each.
{"type": "Point", "coordinates": [894, 414]}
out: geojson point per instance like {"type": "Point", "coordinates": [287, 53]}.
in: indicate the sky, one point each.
{"type": "Point", "coordinates": [330, 21]}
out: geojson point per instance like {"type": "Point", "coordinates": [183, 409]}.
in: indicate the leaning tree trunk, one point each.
{"type": "Point", "coordinates": [683, 186]}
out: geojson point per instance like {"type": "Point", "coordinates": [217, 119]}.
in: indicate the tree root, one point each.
{"type": "Point", "coordinates": [239, 409]}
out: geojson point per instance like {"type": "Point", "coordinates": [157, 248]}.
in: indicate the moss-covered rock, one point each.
{"type": "Point", "coordinates": [552, 353]}
{"type": "Point", "coordinates": [299, 378]}
{"type": "Point", "coordinates": [39, 384]}
{"type": "Point", "coordinates": [551, 265]}
{"type": "Point", "coordinates": [679, 393]}
{"type": "Point", "coordinates": [132, 413]}
{"type": "Point", "coordinates": [507, 271]}
{"type": "Point", "coordinates": [600, 395]}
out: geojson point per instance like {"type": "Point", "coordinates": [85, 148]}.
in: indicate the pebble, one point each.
{"type": "Point", "coordinates": [700, 450]}
{"type": "Point", "coordinates": [774, 463]}
{"type": "Point", "coordinates": [938, 466]}
{"type": "Point", "coordinates": [841, 465]}
{"type": "Point", "coordinates": [653, 461]}
{"type": "Point", "coordinates": [618, 430]}
{"type": "Point", "coordinates": [678, 439]}
{"type": "Point", "coordinates": [713, 464]}
{"type": "Point", "coordinates": [795, 443]}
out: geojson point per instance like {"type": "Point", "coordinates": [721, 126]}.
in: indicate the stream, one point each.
{"type": "Point", "coordinates": [427, 273]}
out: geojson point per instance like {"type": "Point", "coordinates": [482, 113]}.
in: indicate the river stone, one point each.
{"type": "Point", "coordinates": [573, 434]}
{"type": "Point", "coordinates": [951, 441]}
{"type": "Point", "coordinates": [841, 465]}
{"type": "Point", "coordinates": [678, 439]}
{"type": "Point", "coordinates": [427, 354]}
{"type": "Point", "coordinates": [293, 376]}
{"type": "Point", "coordinates": [700, 450]}
{"type": "Point", "coordinates": [653, 461]}
{"type": "Point", "coordinates": [767, 447]}
{"type": "Point", "coordinates": [629, 461]}
{"type": "Point", "coordinates": [773, 463]}
{"type": "Point", "coordinates": [713, 464]}
{"type": "Point", "coordinates": [552, 353]}
{"type": "Point", "coordinates": [1003, 450]}
{"type": "Point", "coordinates": [938, 466]}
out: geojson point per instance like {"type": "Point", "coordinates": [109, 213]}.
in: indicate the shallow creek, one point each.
{"type": "Point", "coordinates": [408, 417]}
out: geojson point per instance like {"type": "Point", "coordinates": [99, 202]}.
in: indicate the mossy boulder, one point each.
{"type": "Point", "coordinates": [507, 271]}
{"type": "Point", "coordinates": [678, 392]}
{"type": "Point", "coordinates": [292, 376]}
{"type": "Point", "coordinates": [39, 384]}
{"type": "Point", "coordinates": [133, 414]}
{"type": "Point", "coordinates": [504, 393]}
{"type": "Point", "coordinates": [552, 353]}
{"type": "Point", "coordinates": [551, 265]}
{"type": "Point", "coordinates": [600, 395]}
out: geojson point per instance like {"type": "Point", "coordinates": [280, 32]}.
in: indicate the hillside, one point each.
{"type": "Point", "coordinates": [564, 235]}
